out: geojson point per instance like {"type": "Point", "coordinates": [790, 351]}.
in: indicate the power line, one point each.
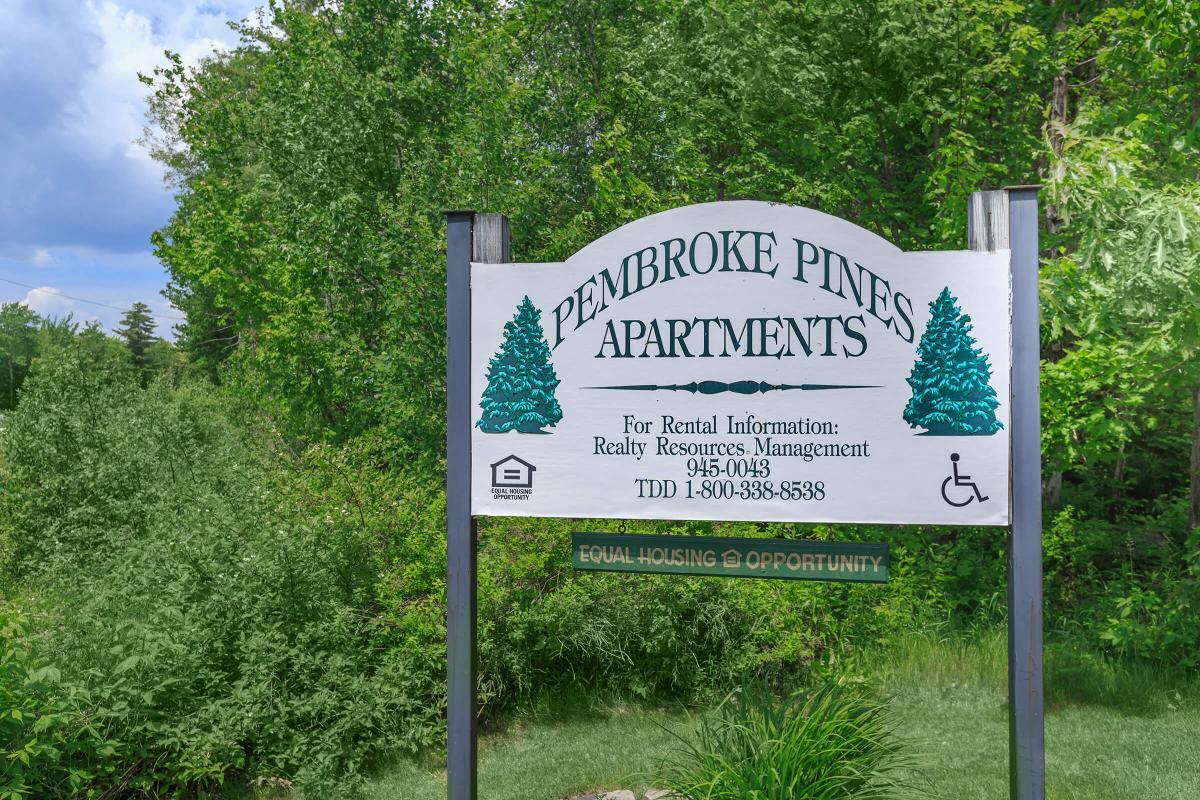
{"type": "Point", "coordinates": [57, 293]}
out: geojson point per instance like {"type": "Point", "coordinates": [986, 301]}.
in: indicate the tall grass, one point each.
{"type": "Point", "coordinates": [1074, 675]}
{"type": "Point", "coordinates": [832, 743]}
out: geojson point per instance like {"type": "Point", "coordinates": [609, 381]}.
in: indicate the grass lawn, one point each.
{"type": "Point", "coordinates": [1111, 734]}
{"type": "Point", "coordinates": [614, 748]}
{"type": "Point", "coordinates": [1091, 753]}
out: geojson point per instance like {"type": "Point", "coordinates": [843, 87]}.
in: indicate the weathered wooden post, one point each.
{"type": "Point", "coordinates": [482, 238]}
{"type": "Point", "coordinates": [998, 220]}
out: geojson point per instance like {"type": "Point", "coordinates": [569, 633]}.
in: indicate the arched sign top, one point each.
{"type": "Point", "coordinates": [736, 215]}
{"type": "Point", "coordinates": [744, 361]}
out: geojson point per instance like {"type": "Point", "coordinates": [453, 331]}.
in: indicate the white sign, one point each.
{"type": "Point", "coordinates": [743, 361]}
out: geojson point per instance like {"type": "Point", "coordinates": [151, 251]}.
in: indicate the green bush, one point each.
{"type": "Point", "coordinates": [1129, 586]}
{"type": "Point", "coordinates": [197, 629]}
{"type": "Point", "coordinates": [831, 743]}
{"type": "Point", "coordinates": [545, 628]}
{"type": "Point", "coordinates": [89, 459]}
{"type": "Point", "coordinates": [48, 746]}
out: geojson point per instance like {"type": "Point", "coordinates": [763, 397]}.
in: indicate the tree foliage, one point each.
{"type": "Point", "coordinates": [314, 162]}
{"type": "Point", "coordinates": [26, 336]}
{"type": "Point", "coordinates": [199, 626]}
{"type": "Point", "coordinates": [18, 344]}
{"type": "Point", "coordinates": [1124, 275]}
{"type": "Point", "coordinates": [137, 329]}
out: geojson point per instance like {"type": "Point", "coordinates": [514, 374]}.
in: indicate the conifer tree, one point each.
{"type": "Point", "coordinates": [137, 329]}
{"type": "Point", "coordinates": [951, 393]}
{"type": "Point", "coordinates": [521, 380]}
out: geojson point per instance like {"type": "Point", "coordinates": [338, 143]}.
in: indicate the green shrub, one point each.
{"type": "Point", "coordinates": [230, 649]}
{"type": "Point", "coordinates": [645, 636]}
{"type": "Point", "coordinates": [48, 746]}
{"type": "Point", "coordinates": [1154, 617]}
{"type": "Point", "coordinates": [195, 628]}
{"type": "Point", "coordinates": [828, 744]}
{"type": "Point", "coordinates": [90, 458]}
{"type": "Point", "coordinates": [545, 628]}
{"type": "Point", "coordinates": [1130, 587]}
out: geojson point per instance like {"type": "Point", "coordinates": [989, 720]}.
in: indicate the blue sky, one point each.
{"type": "Point", "coordinates": [78, 197]}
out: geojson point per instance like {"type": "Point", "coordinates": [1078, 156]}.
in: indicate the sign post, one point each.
{"type": "Point", "coordinates": [748, 361]}
{"type": "Point", "coordinates": [481, 238]}
{"type": "Point", "coordinates": [998, 220]}
{"type": "Point", "coordinates": [1026, 710]}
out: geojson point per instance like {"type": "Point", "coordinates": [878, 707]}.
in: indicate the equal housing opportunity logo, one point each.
{"type": "Point", "coordinates": [512, 478]}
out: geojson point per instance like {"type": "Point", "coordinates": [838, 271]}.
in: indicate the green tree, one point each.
{"type": "Point", "coordinates": [1124, 275]}
{"type": "Point", "coordinates": [103, 352]}
{"type": "Point", "coordinates": [208, 335]}
{"type": "Point", "coordinates": [951, 392]}
{"type": "Point", "coordinates": [18, 346]}
{"type": "Point", "coordinates": [307, 242]}
{"type": "Point", "coordinates": [521, 380]}
{"type": "Point", "coordinates": [307, 249]}
{"type": "Point", "coordinates": [137, 329]}
{"type": "Point", "coordinates": [163, 357]}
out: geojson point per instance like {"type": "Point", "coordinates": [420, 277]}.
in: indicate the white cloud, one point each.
{"type": "Point", "coordinates": [111, 109]}
{"type": "Point", "coordinates": [49, 302]}
{"type": "Point", "coordinates": [112, 104]}
{"type": "Point", "coordinates": [76, 191]}
{"type": "Point", "coordinates": [71, 172]}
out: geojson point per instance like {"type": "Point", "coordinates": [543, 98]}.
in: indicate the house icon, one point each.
{"type": "Point", "coordinates": [732, 559]}
{"type": "Point", "coordinates": [514, 472]}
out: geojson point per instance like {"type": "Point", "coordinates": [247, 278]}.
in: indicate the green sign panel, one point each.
{"type": "Point", "coordinates": [731, 557]}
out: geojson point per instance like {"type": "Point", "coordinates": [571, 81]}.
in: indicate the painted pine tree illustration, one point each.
{"type": "Point", "coordinates": [951, 392]}
{"type": "Point", "coordinates": [521, 380]}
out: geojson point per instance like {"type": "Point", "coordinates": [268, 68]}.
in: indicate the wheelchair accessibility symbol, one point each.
{"type": "Point", "coordinates": [957, 480]}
